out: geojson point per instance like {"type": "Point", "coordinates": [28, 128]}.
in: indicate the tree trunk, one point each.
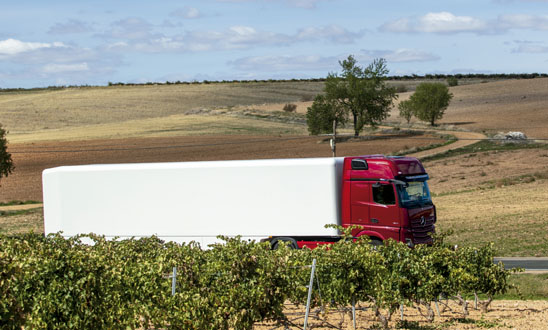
{"type": "Point", "coordinates": [429, 311]}
{"type": "Point", "coordinates": [485, 304]}
{"type": "Point", "coordinates": [383, 319]}
{"type": "Point", "coordinates": [463, 303]}
{"type": "Point", "coordinates": [430, 314]}
{"type": "Point", "coordinates": [356, 130]}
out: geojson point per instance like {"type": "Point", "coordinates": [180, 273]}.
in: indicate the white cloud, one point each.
{"type": "Point", "coordinates": [132, 28]}
{"type": "Point", "coordinates": [517, 21]}
{"type": "Point", "coordinates": [284, 63]}
{"type": "Point", "coordinates": [510, 1]}
{"type": "Point", "coordinates": [442, 22]}
{"type": "Point", "coordinates": [308, 4]}
{"type": "Point", "coordinates": [71, 27]}
{"type": "Point", "coordinates": [234, 37]}
{"type": "Point", "coordinates": [399, 55]}
{"type": "Point", "coordinates": [276, 63]}
{"type": "Point", "coordinates": [137, 34]}
{"type": "Point", "coordinates": [333, 33]}
{"type": "Point", "coordinates": [11, 47]}
{"type": "Point", "coordinates": [186, 12]}
{"type": "Point", "coordinates": [61, 68]}
{"type": "Point", "coordinates": [37, 62]}
{"type": "Point", "coordinates": [304, 3]}
{"type": "Point", "coordinates": [273, 63]}
{"type": "Point", "coordinates": [530, 47]}
{"type": "Point", "coordinates": [448, 23]}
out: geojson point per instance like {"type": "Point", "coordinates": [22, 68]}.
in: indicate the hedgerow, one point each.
{"type": "Point", "coordinates": [88, 282]}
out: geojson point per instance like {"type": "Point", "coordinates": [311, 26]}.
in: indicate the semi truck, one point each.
{"type": "Point", "coordinates": [290, 200]}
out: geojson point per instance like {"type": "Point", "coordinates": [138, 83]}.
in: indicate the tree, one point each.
{"type": "Point", "coordinates": [430, 101]}
{"type": "Point", "coordinates": [406, 110]}
{"type": "Point", "coordinates": [322, 113]}
{"type": "Point", "coordinates": [6, 163]}
{"type": "Point", "coordinates": [362, 92]}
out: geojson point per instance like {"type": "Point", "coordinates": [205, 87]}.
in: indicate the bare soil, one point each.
{"type": "Point", "coordinates": [502, 314]}
{"type": "Point", "coordinates": [495, 197]}
{"type": "Point", "coordinates": [30, 220]}
{"type": "Point", "coordinates": [502, 106]}
{"type": "Point", "coordinates": [484, 169]}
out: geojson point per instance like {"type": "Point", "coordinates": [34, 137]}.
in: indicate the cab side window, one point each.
{"type": "Point", "coordinates": [384, 194]}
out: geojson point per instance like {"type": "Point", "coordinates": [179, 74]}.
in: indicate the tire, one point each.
{"type": "Point", "coordinates": [375, 242]}
{"type": "Point", "coordinates": [292, 243]}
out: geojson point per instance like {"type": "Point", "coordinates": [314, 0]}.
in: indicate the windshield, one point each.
{"type": "Point", "coordinates": [415, 193]}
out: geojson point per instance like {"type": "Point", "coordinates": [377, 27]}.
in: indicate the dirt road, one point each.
{"type": "Point", "coordinates": [464, 139]}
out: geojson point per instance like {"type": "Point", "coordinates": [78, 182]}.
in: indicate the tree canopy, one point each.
{"type": "Point", "coordinates": [322, 113]}
{"type": "Point", "coordinates": [430, 101]}
{"type": "Point", "coordinates": [406, 110]}
{"type": "Point", "coordinates": [362, 92]}
{"type": "Point", "coordinates": [6, 163]}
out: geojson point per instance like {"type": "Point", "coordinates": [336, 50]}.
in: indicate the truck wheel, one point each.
{"type": "Point", "coordinates": [375, 242]}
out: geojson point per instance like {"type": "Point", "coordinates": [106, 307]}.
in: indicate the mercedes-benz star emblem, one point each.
{"type": "Point", "coordinates": [423, 221]}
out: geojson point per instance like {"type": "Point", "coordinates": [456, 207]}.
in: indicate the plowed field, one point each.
{"type": "Point", "coordinates": [502, 314]}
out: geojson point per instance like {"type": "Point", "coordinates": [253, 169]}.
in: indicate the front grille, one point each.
{"type": "Point", "coordinates": [420, 232]}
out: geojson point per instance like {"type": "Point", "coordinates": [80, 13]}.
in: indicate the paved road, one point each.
{"type": "Point", "coordinates": [529, 264]}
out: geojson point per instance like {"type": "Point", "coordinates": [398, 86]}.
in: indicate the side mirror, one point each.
{"type": "Point", "coordinates": [359, 164]}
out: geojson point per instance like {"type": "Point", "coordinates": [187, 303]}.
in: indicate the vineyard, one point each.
{"type": "Point", "coordinates": [57, 283]}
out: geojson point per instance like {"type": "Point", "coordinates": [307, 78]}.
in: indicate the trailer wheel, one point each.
{"type": "Point", "coordinates": [292, 244]}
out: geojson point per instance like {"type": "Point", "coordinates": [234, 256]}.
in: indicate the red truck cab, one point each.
{"type": "Point", "coordinates": [388, 197]}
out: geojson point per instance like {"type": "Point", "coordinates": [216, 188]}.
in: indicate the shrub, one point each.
{"type": "Point", "coordinates": [401, 89]}
{"type": "Point", "coordinates": [57, 283]}
{"type": "Point", "coordinates": [452, 81]}
{"type": "Point", "coordinates": [290, 107]}
{"type": "Point", "coordinates": [406, 110]}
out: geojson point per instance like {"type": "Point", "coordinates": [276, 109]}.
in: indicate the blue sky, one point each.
{"type": "Point", "coordinates": [45, 43]}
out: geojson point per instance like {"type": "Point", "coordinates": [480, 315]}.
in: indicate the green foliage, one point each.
{"type": "Point", "coordinates": [56, 283]}
{"type": "Point", "coordinates": [322, 113]}
{"type": "Point", "coordinates": [17, 202]}
{"type": "Point", "coordinates": [290, 107]}
{"type": "Point", "coordinates": [430, 101]}
{"type": "Point", "coordinates": [362, 92]}
{"type": "Point", "coordinates": [6, 163]}
{"type": "Point", "coordinates": [527, 287]}
{"type": "Point", "coordinates": [452, 81]}
{"type": "Point", "coordinates": [406, 110]}
{"type": "Point", "coordinates": [401, 88]}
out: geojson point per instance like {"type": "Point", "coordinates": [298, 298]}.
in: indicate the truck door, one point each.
{"type": "Point", "coordinates": [360, 201]}
{"type": "Point", "coordinates": [384, 213]}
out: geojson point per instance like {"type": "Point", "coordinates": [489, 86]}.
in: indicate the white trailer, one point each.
{"type": "Point", "coordinates": [195, 201]}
